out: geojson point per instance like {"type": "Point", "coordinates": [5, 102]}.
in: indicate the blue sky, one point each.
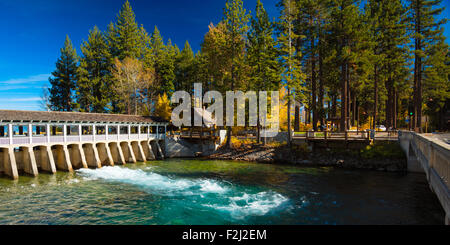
{"type": "Point", "coordinates": [33, 31]}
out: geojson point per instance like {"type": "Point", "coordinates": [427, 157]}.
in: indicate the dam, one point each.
{"type": "Point", "coordinates": [35, 141]}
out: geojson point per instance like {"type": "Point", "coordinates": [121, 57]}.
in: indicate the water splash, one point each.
{"type": "Point", "coordinates": [237, 201]}
{"type": "Point", "coordinates": [245, 205]}
{"type": "Point", "coordinates": [153, 181]}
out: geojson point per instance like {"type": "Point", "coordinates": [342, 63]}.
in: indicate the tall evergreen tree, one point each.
{"type": "Point", "coordinates": [311, 27]}
{"type": "Point", "coordinates": [125, 37]}
{"type": "Point", "coordinates": [163, 61]}
{"type": "Point", "coordinates": [63, 79]}
{"type": "Point", "coordinates": [93, 85]}
{"type": "Point", "coordinates": [184, 69]}
{"type": "Point", "coordinates": [427, 32]}
{"type": "Point", "coordinates": [292, 72]}
{"type": "Point", "coordinates": [236, 19]}
{"type": "Point", "coordinates": [346, 20]}
{"type": "Point", "coordinates": [262, 55]}
{"type": "Point", "coordinates": [216, 57]}
{"type": "Point", "coordinates": [436, 84]}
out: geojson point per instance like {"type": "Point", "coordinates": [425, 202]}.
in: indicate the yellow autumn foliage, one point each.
{"type": "Point", "coordinates": [162, 107]}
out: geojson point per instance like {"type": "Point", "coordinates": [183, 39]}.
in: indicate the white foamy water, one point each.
{"type": "Point", "coordinates": [251, 204]}
{"type": "Point", "coordinates": [154, 181]}
{"type": "Point", "coordinates": [238, 204]}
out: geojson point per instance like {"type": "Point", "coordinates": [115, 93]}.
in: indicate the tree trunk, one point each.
{"type": "Point", "coordinates": [388, 103]}
{"type": "Point", "coordinates": [321, 89]}
{"type": "Point", "coordinates": [395, 109]}
{"type": "Point", "coordinates": [297, 119]}
{"type": "Point", "coordinates": [334, 106]}
{"type": "Point", "coordinates": [354, 112]}
{"type": "Point", "coordinates": [375, 104]}
{"type": "Point", "coordinates": [344, 102]}
{"type": "Point", "coordinates": [349, 95]}
{"type": "Point", "coordinates": [417, 73]}
{"type": "Point", "coordinates": [289, 118]}
{"type": "Point", "coordinates": [313, 86]}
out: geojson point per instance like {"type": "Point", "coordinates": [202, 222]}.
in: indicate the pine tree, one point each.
{"type": "Point", "coordinates": [236, 19]}
{"type": "Point", "coordinates": [124, 39]}
{"type": "Point", "coordinates": [184, 69]}
{"type": "Point", "coordinates": [216, 57]}
{"type": "Point", "coordinates": [262, 55]}
{"type": "Point", "coordinates": [124, 35]}
{"type": "Point", "coordinates": [345, 28]}
{"type": "Point", "coordinates": [63, 79]}
{"type": "Point", "coordinates": [393, 43]}
{"type": "Point", "coordinates": [157, 44]}
{"type": "Point", "coordinates": [93, 86]}
{"type": "Point", "coordinates": [163, 61]}
{"type": "Point", "coordinates": [167, 68]}
{"type": "Point", "coordinates": [436, 84]}
{"type": "Point", "coordinates": [292, 72]}
{"type": "Point", "coordinates": [427, 32]}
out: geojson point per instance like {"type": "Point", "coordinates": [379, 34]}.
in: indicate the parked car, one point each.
{"type": "Point", "coordinates": [381, 128]}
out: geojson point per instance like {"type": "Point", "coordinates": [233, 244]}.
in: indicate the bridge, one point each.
{"type": "Point", "coordinates": [430, 155]}
{"type": "Point", "coordinates": [347, 139]}
{"type": "Point", "coordinates": [33, 141]}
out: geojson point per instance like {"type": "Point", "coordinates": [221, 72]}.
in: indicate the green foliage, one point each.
{"type": "Point", "coordinates": [290, 56]}
{"type": "Point", "coordinates": [313, 51]}
{"type": "Point", "coordinates": [235, 19]}
{"type": "Point", "coordinates": [262, 55]}
{"type": "Point", "coordinates": [383, 151]}
{"type": "Point", "coordinates": [427, 44]}
{"type": "Point", "coordinates": [124, 35]}
{"type": "Point", "coordinates": [63, 79]}
{"type": "Point", "coordinates": [184, 69]}
{"type": "Point", "coordinates": [94, 83]}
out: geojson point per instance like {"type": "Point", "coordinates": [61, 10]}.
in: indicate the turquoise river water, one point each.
{"type": "Point", "coordinates": [204, 192]}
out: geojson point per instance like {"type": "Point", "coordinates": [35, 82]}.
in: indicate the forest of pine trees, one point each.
{"type": "Point", "coordinates": [360, 64]}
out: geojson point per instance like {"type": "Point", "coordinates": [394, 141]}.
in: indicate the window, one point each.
{"type": "Point", "coordinates": [144, 129]}
{"type": "Point", "coordinates": [4, 131]}
{"type": "Point", "coordinates": [112, 130]}
{"type": "Point", "coordinates": [100, 130]}
{"type": "Point", "coordinates": [20, 130]}
{"type": "Point", "coordinates": [72, 130]}
{"type": "Point", "coordinates": [39, 130]}
{"type": "Point", "coordinates": [87, 130]}
{"type": "Point", "coordinates": [56, 130]}
{"type": "Point", "coordinates": [123, 129]}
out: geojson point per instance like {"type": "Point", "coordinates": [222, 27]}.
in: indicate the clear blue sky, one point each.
{"type": "Point", "coordinates": [33, 31]}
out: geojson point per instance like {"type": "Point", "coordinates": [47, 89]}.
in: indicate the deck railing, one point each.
{"type": "Point", "coordinates": [348, 135]}
{"type": "Point", "coordinates": [43, 139]}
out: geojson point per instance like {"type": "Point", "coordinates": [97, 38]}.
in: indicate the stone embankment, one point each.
{"type": "Point", "coordinates": [302, 156]}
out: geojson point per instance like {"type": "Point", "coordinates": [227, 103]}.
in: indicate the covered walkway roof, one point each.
{"type": "Point", "coordinates": [73, 117]}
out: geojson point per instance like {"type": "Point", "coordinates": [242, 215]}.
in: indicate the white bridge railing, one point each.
{"type": "Point", "coordinates": [434, 157]}
{"type": "Point", "coordinates": [43, 139]}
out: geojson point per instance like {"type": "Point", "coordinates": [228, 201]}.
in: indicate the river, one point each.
{"type": "Point", "coordinates": [201, 192]}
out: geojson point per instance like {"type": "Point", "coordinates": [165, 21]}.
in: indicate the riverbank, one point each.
{"type": "Point", "coordinates": [381, 156]}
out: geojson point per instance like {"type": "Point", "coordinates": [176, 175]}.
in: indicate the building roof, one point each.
{"type": "Point", "coordinates": [73, 117]}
